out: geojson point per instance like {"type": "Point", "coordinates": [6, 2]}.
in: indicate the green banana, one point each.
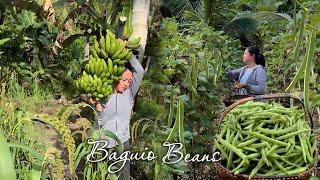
{"type": "Point", "coordinates": [104, 79]}
{"type": "Point", "coordinates": [95, 66]}
{"type": "Point", "coordinates": [123, 54]}
{"type": "Point", "coordinates": [133, 46]}
{"type": "Point", "coordinates": [83, 83]}
{"type": "Point", "coordinates": [102, 75]}
{"type": "Point", "coordinates": [90, 78]}
{"type": "Point", "coordinates": [87, 89]}
{"type": "Point", "coordinates": [115, 68]}
{"type": "Point", "coordinates": [110, 33]}
{"type": "Point", "coordinates": [87, 67]}
{"type": "Point", "coordinates": [121, 69]}
{"type": "Point", "coordinates": [128, 57]}
{"type": "Point", "coordinates": [114, 46]}
{"type": "Point", "coordinates": [80, 84]}
{"type": "Point", "coordinates": [114, 78]}
{"type": "Point", "coordinates": [122, 45]}
{"type": "Point", "coordinates": [108, 43]}
{"type": "Point", "coordinates": [99, 82]}
{"type": "Point", "coordinates": [94, 52]}
{"type": "Point", "coordinates": [112, 38]}
{"type": "Point", "coordinates": [102, 43]}
{"type": "Point", "coordinates": [103, 53]}
{"type": "Point", "coordinates": [92, 58]}
{"type": "Point", "coordinates": [120, 62]}
{"type": "Point", "coordinates": [134, 41]}
{"type": "Point", "coordinates": [110, 87]}
{"type": "Point", "coordinates": [91, 67]}
{"type": "Point", "coordinates": [98, 89]}
{"type": "Point", "coordinates": [95, 80]}
{"type": "Point", "coordinates": [110, 66]}
{"type": "Point", "coordinates": [110, 81]}
{"type": "Point", "coordinates": [117, 61]}
{"type": "Point", "coordinates": [105, 67]}
{"type": "Point", "coordinates": [96, 46]}
{"type": "Point", "coordinates": [103, 90]}
{"type": "Point", "coordinates": [100, 67]}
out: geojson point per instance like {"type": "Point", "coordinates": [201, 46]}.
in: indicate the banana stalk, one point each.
{"type": "Point", "coordinates": [127, 12]}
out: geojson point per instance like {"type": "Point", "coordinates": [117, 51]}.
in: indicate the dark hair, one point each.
{"type": "Point", "coordinates": [129, 67]}
{"type": "Point", "coordinates": [258, 57]}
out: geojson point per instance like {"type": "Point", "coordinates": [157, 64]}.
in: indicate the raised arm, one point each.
{"type": "Point", "coordinates": [234, 74]}
{"type": "Point", "coordinates": [137, 75]}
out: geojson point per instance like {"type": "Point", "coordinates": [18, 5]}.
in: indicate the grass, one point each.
{"type": "Point", "coordinates": [27, 100]}
{"type": "Point", "coordinates": [18, 103]}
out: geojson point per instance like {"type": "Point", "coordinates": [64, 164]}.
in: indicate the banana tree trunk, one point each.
{"type": "Point", "coordinates": [140, 13]}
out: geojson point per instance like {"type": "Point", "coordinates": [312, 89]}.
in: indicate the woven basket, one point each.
{"type": "Point", "coordinates": [232, 99]}
{"type": "Point", "coordinates": [224, 174]}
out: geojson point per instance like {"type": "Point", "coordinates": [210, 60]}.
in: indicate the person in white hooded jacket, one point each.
{"type": "Point", "coordinates": [115, 112]}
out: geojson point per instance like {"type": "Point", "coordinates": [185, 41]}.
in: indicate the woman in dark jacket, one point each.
{"type": "Point", "coordinates": [251, 79]}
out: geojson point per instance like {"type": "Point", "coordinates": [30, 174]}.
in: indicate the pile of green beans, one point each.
{"type": "Point", "coordinates": [266, 139]}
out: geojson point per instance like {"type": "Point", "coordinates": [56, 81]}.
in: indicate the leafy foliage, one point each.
{"type": "Point", "coordinates": [182, 92]}
{"type": "Point", "coordinates": [189, 58]}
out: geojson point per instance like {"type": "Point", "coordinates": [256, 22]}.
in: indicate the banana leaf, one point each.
{"type": "Point", "coordinates": [7, 171]}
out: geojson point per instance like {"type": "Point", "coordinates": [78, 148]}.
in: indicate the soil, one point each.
{"type": "Point", "coordinates": [51, 137]}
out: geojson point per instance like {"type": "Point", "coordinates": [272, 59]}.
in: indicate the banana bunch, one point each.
{"type": "Point", "coordinates": [110, 47]}
{"type": "Point", "coordinates": [133, 43]}
{"type": "Point", "coordinates": [99, 76]}
{"type": "Point", "coordinates": [95, 86]}
{"type": "Point", "coordinates": [105, 69]}
{"type": "Point", "coordinates": [105, 66]}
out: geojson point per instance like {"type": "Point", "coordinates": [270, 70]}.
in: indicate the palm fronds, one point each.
{"type": "Point", "coordinates": [244, 26]}
{"type": "Point", "coordinates": [174, 7]}
{"type": "Point", "coordinates": [208, 8]}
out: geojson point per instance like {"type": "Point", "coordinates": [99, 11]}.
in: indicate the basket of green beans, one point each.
{"type": "Point", "coordinates": [259, 138]}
